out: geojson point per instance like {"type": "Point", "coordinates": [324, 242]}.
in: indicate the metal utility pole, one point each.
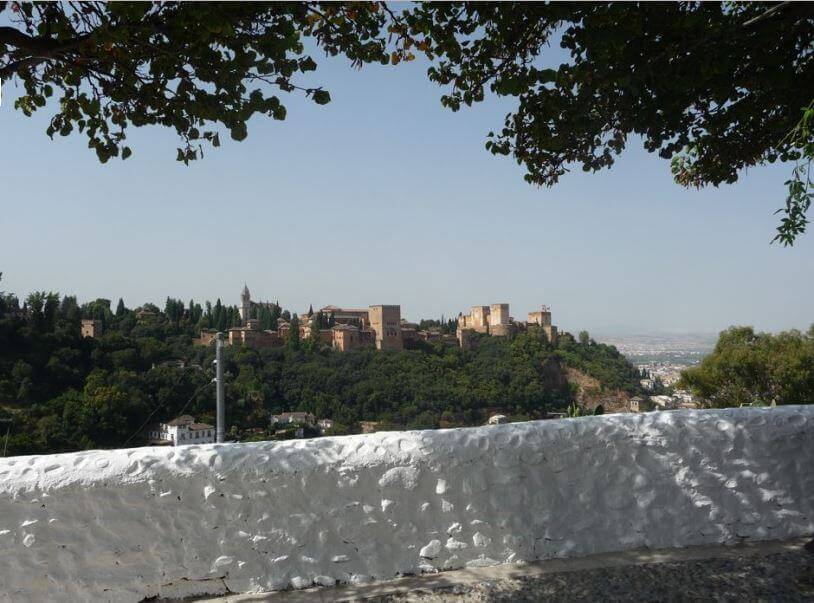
{"type": "Point", "coordinates": [220, 428]}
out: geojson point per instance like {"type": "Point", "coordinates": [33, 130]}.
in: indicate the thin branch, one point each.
{"type": "Point", "coordinates": [767, 14]}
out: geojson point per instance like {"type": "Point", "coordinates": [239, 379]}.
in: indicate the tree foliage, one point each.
{"type": "Point", "coordinates": [749, 368]}
{"type": "Point", "coordinates": [801, 190]}
{"type": "Point", "coordinates": [714, 87]}
{"type": "Point", "coordinates": [684, 76]}
{"type": "Point", "coordinates": [602, 362]}
{"type": "Point", "coordinates": [191, 67]}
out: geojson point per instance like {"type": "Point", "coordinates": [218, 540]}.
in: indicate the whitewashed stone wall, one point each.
{"type": "Point", "coordinates": [127, 524]}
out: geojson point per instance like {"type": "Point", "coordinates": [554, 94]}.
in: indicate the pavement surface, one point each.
{"type": "Point", "coordinates": [763, 571]}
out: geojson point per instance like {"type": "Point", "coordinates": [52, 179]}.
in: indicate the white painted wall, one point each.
{"type": "Point", "coordinates": [183, 435]}
{"type": "Point", "coordinates": [122, 525]}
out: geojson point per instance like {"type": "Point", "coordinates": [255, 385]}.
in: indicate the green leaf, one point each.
{"type": "Point", "coordinates": [547, 75]}
{"type": "Point", "coordinates": [308, 64]}
{"type": "Point", "coordinates": [239, 132]}
{"type": "Point", "coordinates": [322, 97]}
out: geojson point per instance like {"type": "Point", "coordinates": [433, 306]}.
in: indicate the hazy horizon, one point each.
{"type": "Point", "coordinates": [383, 196]}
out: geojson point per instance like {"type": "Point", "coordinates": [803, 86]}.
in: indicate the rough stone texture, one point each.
{"type": "Point", "coordinates": [125, 524]}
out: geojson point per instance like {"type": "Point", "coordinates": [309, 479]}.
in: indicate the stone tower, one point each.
{"type": "Point", "coordinates": [542, 318]}
{"type": "Point", "coordinates": [498, 315]}
{"type": "Point", "coordinates": [245, 305]}
{"type": "Point", "coordinates": [386, 322]}
{"type": "Point", "coordinates": [499, 320]}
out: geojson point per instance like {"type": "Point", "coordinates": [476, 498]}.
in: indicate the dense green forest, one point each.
{"type": "Point", "coordinates": [60, 391]}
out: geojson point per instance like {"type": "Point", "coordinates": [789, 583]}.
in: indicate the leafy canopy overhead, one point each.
{"type": "Point", "coordinates": [188, 66]}
{"type": "Point", "coordinates": [714, 87]}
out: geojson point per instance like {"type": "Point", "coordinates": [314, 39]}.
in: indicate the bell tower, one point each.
{"type": "Point", "coordinates": [245, 305]}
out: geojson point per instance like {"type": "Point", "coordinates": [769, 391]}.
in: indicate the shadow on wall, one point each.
{"type": "Point", "coordinates": [129, 524]}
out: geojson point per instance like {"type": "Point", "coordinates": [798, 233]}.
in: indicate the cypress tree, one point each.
{"type": "Point", "coordinates": [294, 333]}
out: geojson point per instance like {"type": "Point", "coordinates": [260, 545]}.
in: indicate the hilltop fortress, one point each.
{"type": "Point", "coordinates": [380, 326]}
{"type": "Point", "coordinates": [495, 320]}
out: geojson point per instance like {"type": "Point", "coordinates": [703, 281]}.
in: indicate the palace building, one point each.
{"type": "Point", "coordinates": [378, 326]}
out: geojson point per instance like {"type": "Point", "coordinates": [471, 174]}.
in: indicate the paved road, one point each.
{"type": "Point", "coordinates": [768, 571]}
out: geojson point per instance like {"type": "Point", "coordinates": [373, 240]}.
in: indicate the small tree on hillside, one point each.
{"type": "Point", "coordinates": [294, 333]}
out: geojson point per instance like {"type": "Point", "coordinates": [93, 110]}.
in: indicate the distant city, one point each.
{"type": "Point", "coordinates": [662, 356]}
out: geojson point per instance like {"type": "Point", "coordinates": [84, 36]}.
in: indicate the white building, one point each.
{"type": "Point", "coordinates": [180, 431]}
{"type": "Point", "coordinates": [663, 402]}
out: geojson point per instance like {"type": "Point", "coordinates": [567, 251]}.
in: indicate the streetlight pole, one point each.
{"type": "Point", "coordinates": [220, 428]}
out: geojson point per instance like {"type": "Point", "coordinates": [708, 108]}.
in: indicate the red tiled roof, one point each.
{"type": "Point", "coordinates": [182, 420]}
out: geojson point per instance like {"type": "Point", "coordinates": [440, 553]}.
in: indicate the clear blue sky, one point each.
{"type": "Point", "coordinates": [383, 196]}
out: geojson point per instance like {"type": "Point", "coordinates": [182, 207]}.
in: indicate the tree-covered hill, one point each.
{"type": "Point", "coordinates": [60, 391]}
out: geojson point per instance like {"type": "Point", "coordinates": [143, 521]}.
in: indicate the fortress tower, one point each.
{"type": "Point", "coordinates": [386, 322]}
{"type": "Point", "coordinates": [499, 320]}
{"type": "Point", "coordinates": [245, 305]}
{"type": "Point", "coordinates": [542, 318]}
{"type": "Point", "coordinates": [498, 315]}
{"type": "Point", "coordinates": [478, 319]}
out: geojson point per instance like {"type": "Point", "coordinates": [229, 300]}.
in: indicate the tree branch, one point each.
{"type": "Point", "coordinates": [12, 68]}
{"type": "Point", "coordinates": [768, 13]}
{"type": "Point", "coordinates": [47, 46]}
